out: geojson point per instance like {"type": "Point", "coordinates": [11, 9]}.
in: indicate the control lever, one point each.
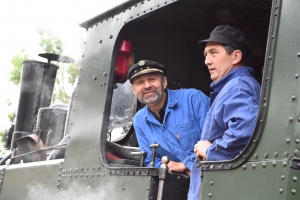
{"type": "Point", "coordinates": [153, 147]}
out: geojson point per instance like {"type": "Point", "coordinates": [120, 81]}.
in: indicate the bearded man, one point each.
{"type": "Point", "coordinates": [171, 118]}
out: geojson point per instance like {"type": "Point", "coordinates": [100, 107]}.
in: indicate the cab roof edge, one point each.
{"type": "Point", "coordinates": [109, 13]}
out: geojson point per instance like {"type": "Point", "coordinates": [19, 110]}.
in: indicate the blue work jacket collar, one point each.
{"type": "Point", "coordinates": [217, 87]}
{"type": "Point", "coordinates": [172, 101]}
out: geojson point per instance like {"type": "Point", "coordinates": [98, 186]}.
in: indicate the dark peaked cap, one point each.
{"type": "Point", "coordinates": [145, 67]}
{"type": "Point", "coordinates": [227, 35]}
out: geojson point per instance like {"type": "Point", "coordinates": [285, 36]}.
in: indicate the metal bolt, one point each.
{"type": "Point", "coordinates": [284, 164]}
{"type": "Point", "coordinates": [100, 41]}
{"type": "Point", "coordinates": [296, 152]}
{"type": "Point", "coordinates": [281, 190]}
{"type": "Point", "coordinates": [274, 163]}
{"type": "Point", "coordinates": [282, 177]}
{"type": "Point", "coordinates": [275, 154]}
{"type": "Point", "coordinates": [211, 183]}
{"type": "Point", "coordinates": [295, 179]}
{"type": "Point", "coordinates": [287, 140]}
{"type": "Point", "coordinates": [291, 119]}
{"type": "Point", "coordinates": [244, 167]}
{"type": "Point", "coordinates": [286, 154]}
{"type": "Point", "coordinates": [296, 76]}
{"type": "Point", "coordinates": [293, 191]}
{"type": "Point", "coordinates": [298, 119]}
{"type": "Point", "coordinates": [266, 155]}
{"type": "Point", "coordinates": [298, 54]}
{"type": "Point", "coordinates": [254, 166]}
{"type": "Point", "coordinates": [255, 156]}
{"type": "Point", "coordinates": [111, 36]}
{"type": "Point", "coordinates": [264, 165]}
{"type": "Point", "coordinates": [94, 77]}
{"type": "Point", "coordinates": [123, 188]}
{"type": "Point", "coordinates": [105, 74]}
{"type": "Point", "coordinates": [297, 141]}
{"type": "Point", "coordinates": [293, 97]}
{"type": "Point", "coordinates": [210, 194]}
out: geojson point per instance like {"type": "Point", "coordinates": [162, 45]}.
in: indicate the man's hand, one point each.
{"type": "Point", "coordinates": [178, 167]}
{"type": "Point", "coordinates": [200, 149]}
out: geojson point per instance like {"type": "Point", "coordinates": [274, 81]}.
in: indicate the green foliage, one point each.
{"type": "Point", "coordinates": [17, 60]}
{"type": "Point", "coordinates": [50, 42]}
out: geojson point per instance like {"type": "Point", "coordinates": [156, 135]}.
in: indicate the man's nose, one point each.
{"type": "Point", "coordinates": [147, 84]}
{"type": "Point", "coordinates": [207, 60]}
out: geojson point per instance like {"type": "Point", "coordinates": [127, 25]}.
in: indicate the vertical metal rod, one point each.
{"type": "Point", "coordinates": [163, 171]}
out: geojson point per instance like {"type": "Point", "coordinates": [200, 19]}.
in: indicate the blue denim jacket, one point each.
{"type": "Point", "coordinates": [230, 120]}
{"type": "Point", "coordinates": [181, 128]}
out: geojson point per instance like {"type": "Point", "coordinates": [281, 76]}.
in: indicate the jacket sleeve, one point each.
{"type": "Point", "coordinates": [236, 114]}
{"type": "Point", "coordinates": [145, 146]}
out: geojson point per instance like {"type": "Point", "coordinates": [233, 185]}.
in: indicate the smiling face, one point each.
{"type": "Point", "coordinates": [219, 63]}
{"type": "Point", "coordinates": [149, 88]}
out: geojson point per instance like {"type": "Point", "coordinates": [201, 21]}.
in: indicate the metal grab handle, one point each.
{"type": "Point", "coordinates": [154, 147]}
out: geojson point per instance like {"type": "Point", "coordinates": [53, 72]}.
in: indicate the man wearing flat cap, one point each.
{"type": "Point", "coordinates": [171, 118]}
{"type": "Point", "coordinates": [233, 111]}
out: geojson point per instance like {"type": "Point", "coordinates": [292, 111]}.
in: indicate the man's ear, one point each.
{"type": "Point", "coordinates": [133, 89]}
{"type": "Point", "coordinates": [237, 56]}
{"type": "Point", "coordinates": [165, 82]}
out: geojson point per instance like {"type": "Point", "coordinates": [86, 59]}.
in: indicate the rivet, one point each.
{"type": "Point", "coordinates": [293, 191]}
{"type": "Point", "coordinates": [139, 172]}
{"type": "Point", "coordinates": [244, 167]}
{"type": "Point", "coordinates": [92, 175]}
{"type": "Point", "coordinates": [270, 57]}
{"type": "Point", "coordinates": [76, 169]}
{"type": "Point", "coordinates": [298, 119]}
{"type": "Point", "coordinates": [100, 84]}
{"type": "Point", "coordinates": [275, 154]}
{"type": "Point", "coordinates": [105, 74]}
{"type": "Point", "coordinates": [75, 175]}
{"type": "Point", "coordinates": [295, 179]}
{"type": "Point", "coordinates": [58, 179]}
{"type": "Point", "coordinates": [272, 36]}
{"type": "Point", "coordinates": [211, 183]}
{"type": "Point", "coordinates": [291, 119]}
{"type": "Point", "coordinates": [93, 168]}
{"type": "Point", "coordinates": [281, 190]}
{"type": "Point", "coordinates": [82, 55]}
{"type": "Point", "coordinates": [284, 164]}
{"type": "Point", "coordinates": [287, 140]}
{"type": "Point", "coordinates": [254, 166]}
{"type": "Point", "coordinates": [282, 177]}
{"type": "Point", "coordinates": [100, 41]}
{"type": "Point", "coordinates": [298, 54]}
{"type": "Point", "coordinates": [57, 185]}
{"type": "Point", "coordinates": [261, 121]}
{"type": "Point", "coordinates": [266, 155]}
{"type": "Point", "coordinates": [147, 188]}
{"type": "Point", "coordinates": [81, 168]}
{"type": "Point", "coordinates": [264, 165]}
{"type": "Point", "coordinates": [86, 175]}
{"type": "Point", "coordinates": [293, 97]}
{"type": "Point", "coordinates": [111, 36]}
{"type": "Point", "coordinates": [274, 163]}
{"type": "Point", "coordinates": [103, 175]}
{"type": "Point", "coordinates": [94, 77]}
{"type": "Point", "coordinates": [296, 152]}
{"type": "Point", "coordinates": [254, 141]}
{"type": "Point", "coordinates": [87, 168]}
{"type": "Point", "coordinates": [296, 76]}
{"type": "Point", "coordinates": [244, 156]}
{"type": "Point", "coordinates": [267, 78]}
{"type": "Point", "coordinates": [210, 194]}
{"type": "Point", "coordinates": [297, 141]}
{"type": "Point", "coordinates": [286, 154]}
{"type": "Point", "coordinates": [147, 172]}
{"type": "Point", "coordinates": [123, 188]}
{"type": "Point", "coordinates": [71, 123]}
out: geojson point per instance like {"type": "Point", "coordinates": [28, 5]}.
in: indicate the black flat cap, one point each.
{"type": "Point", "coordinates": [227, 35]}
{"type": "Point", "coordinates": [145, 67]}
